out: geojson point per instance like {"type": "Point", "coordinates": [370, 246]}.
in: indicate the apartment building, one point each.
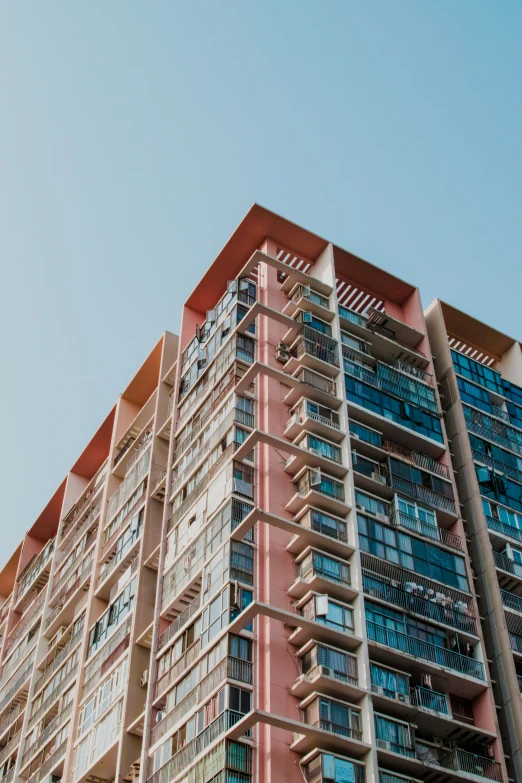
{"type": "Point", "coordinates": [480, 374]}
{"type": "Point", "coordinates": [257, 571]}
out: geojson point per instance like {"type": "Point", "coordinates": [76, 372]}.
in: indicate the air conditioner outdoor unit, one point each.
{"type": "Point", "coordinates": [378, 689]}
{"type": "Point", "coordinates": [316, 452]}
{"type": "Point", "coordinates": [282, 352]}
{"type": "Point", "coordinates": [379, 478]}
{"type": "Point", "coordinates": [383, 517]}
{"type": "Point", "coordinates": [354, 435]}
{"type": "Point", "coordinates": [144, 679]}
{"type": "Point", "coordinates": [326, 671]}
{"type": "Point", "coordinates": [402, 697]}
{"type": "Point", "coordinates": [359, 507]}
{"type": "Point", "coordinates": [384, 744]}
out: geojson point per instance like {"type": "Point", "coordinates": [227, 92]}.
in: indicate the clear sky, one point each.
{"type": "Point", "coordinates": [135, 135]}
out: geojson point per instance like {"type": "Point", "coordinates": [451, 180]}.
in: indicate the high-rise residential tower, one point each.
{"type": "Point", "coordinates": [257, 571]}
{"type": "Point", "coordinates": [480, 375]}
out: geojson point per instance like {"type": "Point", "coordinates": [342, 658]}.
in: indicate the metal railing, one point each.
{"type": "Point", "coordinates": [352, 316]}
{"type": "Point", "coordinates": [95, 668]}
{"type": "Point", "coordinates": [343, 731]}
{"type": "Point", "coordinates": [326, 525]}
{"type": "Point", "coordinates": [391, 777]}
{"type": "Point", "coordinates": [516, 642]}
{"type": "Point", "coordinates": [11, 745]}
{"type": "Point", "coordinates": [459, 760]}
{"type": "Point", "coordinates": [57, 662]}
{"type": "Point", "coordinates": [51, 727]}
{"type": "Point", "coordinates": [20, 680]}
{"type": "Point", "coordinates": [316, 381]}
{"type": "Point", "coordinates": [192, 749]}
{"type": "Point", "coordinates": [26, 620]}
{"type": "Point", "coordinates": [425, 650]}
{"type": "Point", "coordinates": [128, 485]}
{"type": "Point", "coordinates": [85, 573]}
{"type": "Point", "coordinates": [57, 586]}
{"type": "Point", "coordinates": [497, 465]}
{"type": "Point", "coordinates": [178, 668]}
{"type": "Point", "coordinates": [435, 533]}
{"type": "Point", "coordinates": [305, 346]}
{"type": "Point", "coordinates": [81, 528]}
{"type": "Point", "coordinates": [502, 527]}
{"type": "Point", "coordinates": [511, 601]}
{"type": "Point", "coordinates": [429, 700]}
{"type": "Point", "coordinates": [180, 621]}
{"type": "Point", "coordinates": [307, 569]}
{"type": "Point", "coordinates": [53, 696]}
{"type": "Point", "coordinates": [13, 715]}
{"type": "Point", "coordinates": [492, 429]}
{"type": "Point", "coordinates": [389, 379]}
{"type": "Point", "coordinates": [424, 494]}
{"type": "Point", "coordinates": [48, 765]}
{"type": "Point", "coordinates": [33, 570]}
{"type": "Point", "coordinates": [418, 459]}
{"type": "Point", "coordinates": [305, 292]}
{"type": "Point", "coordinates": [420, 606]}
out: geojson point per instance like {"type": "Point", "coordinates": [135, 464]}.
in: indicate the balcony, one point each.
{"type": "Point", "coordinates": [28, 619]}
{"type": "Point", "coordinates": [326, 525]}
{"type": "Point", "coordinates": [189, 752]}
{"type": "Point", "coordinates": [398, 383]}
{"type": "Point", "coordinates": [106, 656]}
{"type": "Point", "coordinates": [134, 476]}
{"type": "Point", "coordinates": [74, 517]}
{"type": "Point", "coordinates": [315, 488]}
{"type": "Point", "coordinates": [314, 386]}
{"type": "Point", "coordinates": [492, 429]}
{"type": "Point", "coordinates": [427, 699]}
{"type": "Point", "coordinates": [391, 339]}
{"type": "Point", "coordinates": [425, 530]}
{"type": "Point", "coordinates": [303, 297]}
{"type": "Point", "coordinates": [65, 609]}
{"type": "Point", "coordinates": [314, 350]}
{"type": "Point", "coordinates": [228, 669]}
{"type": "Point", "coordinates": [327, 670]}
{"type": "Point", "coordinates": [35, 575]}
{"type": "Point", "coordinates": [190, 611]}
{"type": "Point", "coordinates": [423, 494]}
{"type": "Point", "coordinates": [309, 452]}
{"type": "Point", "coordinates": [320, 767]}
{"type": "Point", "coordinates": [338, 718]}
{"type": "Point", "coordinates": [417, 458]}
{"type": "Point", "coordinates": [497, 465]}
{"type": "Point", "coordinates": [497, 526]}
{"type": "Point", "coordinates": [511, 601]}
{"type": "Point", "coordinates": [322, 574]}
{"type": "Point", "coordinates": [47, 732]}
{"type": "Point", "coordinates": [51, 763]}
{"type": "Point", "coordinates": [42, 680]}
{"type": "Point", "coordinates": [458, 760]}
{"type": "Point", "coordinates": [422, 607]}
{"type": "Point", "coordinates": [329, 621]}
{"type": "Point", "coordinates": [51, 700]}
{"type": "Point", "coordinates": [509, 572]}
{"type": "Point", "coordinates": [425, 651]}
{"type": "Point", "coordinates": [62, 578]}
{"type": "Point", "coordinates": [317, 419]}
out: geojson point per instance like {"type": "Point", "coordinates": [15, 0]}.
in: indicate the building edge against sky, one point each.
{"type": "Point", "coordinates": [257, 570]}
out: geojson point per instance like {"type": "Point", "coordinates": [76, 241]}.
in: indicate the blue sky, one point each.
{"type": "Point", "coordinates": [135, 135]}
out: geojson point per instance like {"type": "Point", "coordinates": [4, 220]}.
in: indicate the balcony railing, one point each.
{"type": "Point", "coordinates": [106, 655]}
{"type": "Point", "coordinates": [48, 765]}
{"type": "Point", "coordinates": [180, 620]}
{"type": "Point", "coordinates": [516, 642]}
{"type": "Point", "coordinates": [64, 577]}
{"type": "Point", "coordinates": [304, 412]}
{"type": "Point", "coordinates": [391, 777]}
{"type": "Point", "coordinates": [316, 381]}
{"type": "Point", "coordinates": [316, 344]}
{"type": "Point", "coordinates": [422, 461]}
{"type": "Point", "coordinates": [53, 696]}
{"type": "Point", "coordinates": [435, 533]}
{"type": "Point", "coordinates": [51, 727]}
{"type": "Point", "coordinates": [325, 524]}
{"type": "Point", "coordinates": [128, 485]}
{"type": "Point", "coordinates": [352, 316]}
{"type": "Point", "coordinates": [430, 700]}
{"type": "Point", "coordinates": [305, 292]}
{"type": "Point", "coordinates": [459, 760]}
{"type": "Point", "coordinates": [388, 379]}
{"type": "Point", "coordinates": [425, 651]}
{"type": "Point", "coordinates": [511, 601]}
{"type": "Point", "coordinates": [19, 682]}
{"type": "Point", "coordinates": [491, 429]}
{"type": "Point", "coordinates": [33, 570]}
{"type": "Point", "coordinates": [26, 620]}
{"type": "Point", "coordinates": [10, 747]}
{"type": "Point", "coordinates": [312, 566]}
{"type": "Point", "coordinates": [82, 527]}
{"type": "Point", "coordinates": [420, 606]}
{"type": "Point", "coordinates": [57, 662]}
{"type": "Point", "coordinates": [506, 564]}
{"type": "Point", "coordinates": [171, 675]}
{"type": "Point", "coordinates": [13, 715]}
{"type": "Point", "coordinates": [192, 749]}
{"type": "Point", "coordinates": [502, 527]}
{"type": "Point", "coordinates": [230, 667]}
{"type": "Point", "coordinates": [68, 591]}
{"type": "Point", "coordinates": [423, 494]}
{"type": "Point", "coordinates": [498, 466]}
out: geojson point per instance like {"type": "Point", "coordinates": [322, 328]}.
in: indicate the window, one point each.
{"type": "Point", "coordinates": [477, 372]}
{"type": "Point", "coordinates": [409, 416]}
{"type": "Point", "coordinates": [372, 505]}
{"type": "Point", "coordinates": [335, 716]}
{"type": "Point", "coordinates": [397, 734]}
{"type": "Point", "coordinates": [111, 618]}
{"type": "Point", "coordinates": [391, 682]}
{"type": "Point", "coordinates": [420, 477]}
{"type": "Point", "coordinates": [412, 553]}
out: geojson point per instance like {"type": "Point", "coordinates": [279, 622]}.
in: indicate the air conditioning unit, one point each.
{"type": "Point", "coordinates": [57, 636]}
{"type": "Point", "coordinates": [360, 507]}
{"type": "Point", "coordinates": [378, 689]}
{"type": "Point", "coordinates": [282, 352]}
{"type": "Point", "coordinates": [354, 435]}
{"type": "Point", "coordinates": [316, 452]}
{"type": "Point", "coordinates": [402, 697]}
{"type": "Point", "coordinates": [379, 478]}
{"type": "Point", "coordinates": [144, 679]}
{"type": "Point", "coordinates": [438, 742]}
{"type": "Point", "coordinates": [383, 517]}
{"type": "Point", "coordinates": [326, 671]}
{"type": "Point", "coordinates": [383, 744]}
